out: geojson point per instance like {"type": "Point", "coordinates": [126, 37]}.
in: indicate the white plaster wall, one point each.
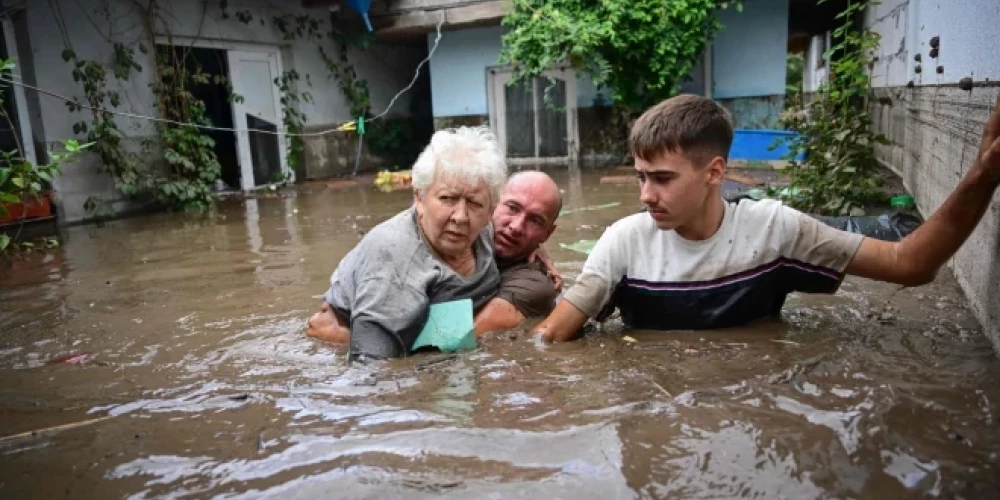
{"type": "Point", "coordinates": [92, 25]}
{"type": "Point", "coordinates": [968, 31]}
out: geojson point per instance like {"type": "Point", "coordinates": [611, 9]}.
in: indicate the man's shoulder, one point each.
{"type": "Point", "coordinates": [527, 286]}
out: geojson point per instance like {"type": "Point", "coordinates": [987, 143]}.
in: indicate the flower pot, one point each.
{"type": "Point", "coordinates": [29, 208]}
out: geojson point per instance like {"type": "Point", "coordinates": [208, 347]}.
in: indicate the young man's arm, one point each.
{"type": "Point", "coordinates": [563, 324]}
{"type": "Point", "coordinates": [592, 290]}
{"type": "Point", "coordinates": [525, 291]}
{"type": "Point", "coordinates": [915, 260]}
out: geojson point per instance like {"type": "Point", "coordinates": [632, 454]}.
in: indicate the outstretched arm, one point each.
{"type": "Point", "coordinates": [563, 324]}
{"type": "Point", "coordinates": [915, 260]}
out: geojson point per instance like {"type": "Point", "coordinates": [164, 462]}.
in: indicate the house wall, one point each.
{"type": "Point", "coordinates": [749, 58]}
{"type": "Point", "coordinates": [458, 75]}
{"type": "Point", "coordinates": [935, 126]}
{"type": "Point", "coordinates": [387, 69]}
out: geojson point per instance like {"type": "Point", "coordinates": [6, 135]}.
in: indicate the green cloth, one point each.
{"type": "Point", "coordinates": [449, 327]}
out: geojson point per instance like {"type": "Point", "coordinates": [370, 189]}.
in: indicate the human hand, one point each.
{"type": "Point", "coordinates": [324, 326]}
{"type": "Point", "coordinates": [541, 255]}
{"type": "Point", "coordinates": [988, 160]}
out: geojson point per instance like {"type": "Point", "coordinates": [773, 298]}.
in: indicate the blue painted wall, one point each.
{"type": "Point", "coordinates": [458, 72]}
{"type": "Point", "coordinates": [749, 54]}
{"type": "Point", "coordinates": [748, 60]}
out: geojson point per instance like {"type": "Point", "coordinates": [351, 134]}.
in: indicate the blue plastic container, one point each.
{"type": "Point", "coordinates": [755, 144]}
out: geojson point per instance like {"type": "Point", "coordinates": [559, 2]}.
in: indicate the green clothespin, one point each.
{"type": "Point", "coordinates": [361, 125]}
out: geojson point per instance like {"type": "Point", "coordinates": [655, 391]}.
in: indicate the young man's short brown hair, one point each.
{"type": "Point", "coordinates": [694, 126]}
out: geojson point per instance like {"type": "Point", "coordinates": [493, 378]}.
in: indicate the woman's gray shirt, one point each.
{"type": "Point", "coordinates": [385, 285]}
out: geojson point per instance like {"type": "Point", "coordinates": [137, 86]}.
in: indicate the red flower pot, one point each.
{"type": "Point", "coordinates": [28, 208]}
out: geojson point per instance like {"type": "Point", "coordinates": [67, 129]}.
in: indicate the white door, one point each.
{"type": "Point", "coordinates": [535, 121]}
{"type": "Point", "coordinates": [261, 155]}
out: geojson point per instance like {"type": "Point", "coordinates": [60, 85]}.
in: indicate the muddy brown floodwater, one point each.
{"type": "Point", "coordinates": [191, 377]}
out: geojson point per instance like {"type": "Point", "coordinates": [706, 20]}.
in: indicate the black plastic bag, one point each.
{"type": "Point", "coordinates": [886, 227]}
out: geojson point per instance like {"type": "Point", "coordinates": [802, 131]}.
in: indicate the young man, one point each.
{"type": "Point", "coordinates": [694, 261]}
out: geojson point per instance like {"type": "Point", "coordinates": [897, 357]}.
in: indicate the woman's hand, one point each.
{"type": "Point", "coordinates": [541, 255]}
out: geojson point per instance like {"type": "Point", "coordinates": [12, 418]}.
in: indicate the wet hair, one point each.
{"type": "Point", "coordinates": [465, 154]}
{"type": "Point", "coordinates": [690, 125]}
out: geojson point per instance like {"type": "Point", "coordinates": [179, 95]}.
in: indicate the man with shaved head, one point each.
{"type": "Point", "coordinates": [524, 218]}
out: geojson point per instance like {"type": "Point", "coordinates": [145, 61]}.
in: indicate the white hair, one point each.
{"type": "Point", "coordinates": [466, 154]}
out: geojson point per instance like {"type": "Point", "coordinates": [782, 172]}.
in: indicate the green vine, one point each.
{"type": "Point", "coordinates": [22, 181]}
{"type": "Point", "coordinates": [192, 166]}
{"type": "Point", "coordinates": [840, 172]}
{"type": "Point", "coordinates": [354, 89]}
{"type": "Point", "coordinates": [189, 166]}
{"type": "Point", "coordinates": [125, 166]}
{"type": "Point", "coordinates": [394, 139]}
{"type": "Point", "coordinates": [294, 119]}
{"type": "Point", "coordinates": [641, 50]}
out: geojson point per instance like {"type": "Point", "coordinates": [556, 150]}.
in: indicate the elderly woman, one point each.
{"type": "Point", "coordinates": [438, 250]}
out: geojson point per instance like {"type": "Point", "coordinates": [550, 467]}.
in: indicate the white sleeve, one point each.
{"type": "Point", "coordinates": [811, 241]}
{"type": "Point", "coordinates": [604, 269]}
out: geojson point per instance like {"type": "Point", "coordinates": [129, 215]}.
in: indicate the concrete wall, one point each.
{"type": "Point", "coordinates": [90, 31]}
{"type": "Point", "coordinates": [936, 127]}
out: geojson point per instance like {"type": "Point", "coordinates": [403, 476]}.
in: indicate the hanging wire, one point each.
{"type": "Point", "coordinates": [344, 127]}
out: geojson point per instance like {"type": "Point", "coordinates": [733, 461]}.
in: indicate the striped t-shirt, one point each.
{"type": "Point", "coordinates": [762, 252]}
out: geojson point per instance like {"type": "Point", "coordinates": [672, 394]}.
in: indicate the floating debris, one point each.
{"type": "Point", "coordinates": [582, 246]}
{"type": "Point", "coordinates": [391, 181]}
{"type": "Point", "coordinates": [621, 180]}
{"type": "Point", "coordinates": [72, 359]}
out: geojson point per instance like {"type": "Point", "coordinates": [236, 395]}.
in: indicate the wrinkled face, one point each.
{"type": "Point", "coordinates": [524, 218]}
{"type": "Point", "coordinates": [452, 214]}
{"type": "Point", "coordinates": [674, 190]}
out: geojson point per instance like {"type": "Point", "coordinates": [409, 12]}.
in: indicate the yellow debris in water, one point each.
{"type": "Point", "coordinates": [630, 340]}
{"type": "Point", "coordinates": [390, 181]}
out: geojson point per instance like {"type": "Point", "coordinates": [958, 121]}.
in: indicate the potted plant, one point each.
{"type": "Point", "coordinates": [22, 192]}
